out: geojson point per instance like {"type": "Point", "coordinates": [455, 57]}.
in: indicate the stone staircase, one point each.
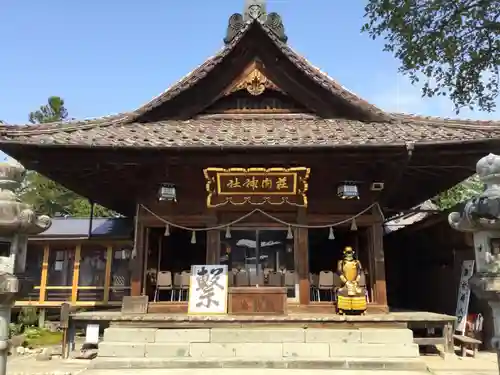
{"type": "Point", "coordinates": [387, 348]}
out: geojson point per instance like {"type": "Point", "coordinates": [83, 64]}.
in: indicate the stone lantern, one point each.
{"type": "Point", "coordinates": [481, 217]}
{"type": "Point", "coordinates": [17, 222]}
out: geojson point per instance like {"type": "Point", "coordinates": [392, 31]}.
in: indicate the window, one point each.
{"type": "Point", "coordinates": [239, 251]}
{"type": "Point", "coordinates": [274, 251]}
{"type": "Point", "coordinates": [92, 276]}
{"type": "Point", "coordinates": [121, 272]}
{"type": "Point", "coordinates": [267, 256]}
{"type": "Point", "coordinates": [92, 266]}
{"type": "Point", "coordinates": [60, 268]}
{"type": "Point", "coordinates": [33, 271]}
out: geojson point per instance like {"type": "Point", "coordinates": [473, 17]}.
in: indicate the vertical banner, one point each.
{"type": "Point", "coordinates": [208, 290]}
{"type": "Point", "coordinates": [464, 295]}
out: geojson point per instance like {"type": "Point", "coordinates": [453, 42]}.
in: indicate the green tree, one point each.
{"type": "Point", "coordinates": [45, 195]}
{"type": "Point", "coordinates": [53, 111]}
{"type": "Point", "coordinates": [453, 44]}
{"type": "Point", "coordinates": [459, 193]}
{"type": "Point", "coordinates": [51, 198]}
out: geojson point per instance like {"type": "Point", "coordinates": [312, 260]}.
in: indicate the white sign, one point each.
{"type": "Point", "coordinates": [208, 290]}
{"type": "Point", "coordinates": [92, 334]}
{"type": "Point", "coordinates": [58, 265]}
{"type": "Point", "coordinates": [464, 295]}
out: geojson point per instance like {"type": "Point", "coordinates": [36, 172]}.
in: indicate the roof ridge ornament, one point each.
{"type": "Point", "coordinates": [255, 10]}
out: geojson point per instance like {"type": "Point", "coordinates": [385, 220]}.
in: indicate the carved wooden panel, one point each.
{"type": "Point", "coordinates": [268, 102]}
{"type": "Point", "coordinates": [257, 301]}
{"type": "Point", "coordinates": [253, 80]}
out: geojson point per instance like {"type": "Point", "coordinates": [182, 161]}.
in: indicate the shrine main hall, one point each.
{"type": "Point", "coordinates": [256, 160]}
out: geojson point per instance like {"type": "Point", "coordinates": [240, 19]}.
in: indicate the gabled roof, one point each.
{"type": "Point", "coordinates": [136, 129]}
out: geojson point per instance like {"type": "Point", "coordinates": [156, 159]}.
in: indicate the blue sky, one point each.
{"type": "Point", "coordinates": [110, 56]}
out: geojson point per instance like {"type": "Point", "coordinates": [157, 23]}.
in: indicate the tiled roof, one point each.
{"type": "Point", "coordinates": [256, 130]}
{"type": "Point", "coordinates": [124, 130]}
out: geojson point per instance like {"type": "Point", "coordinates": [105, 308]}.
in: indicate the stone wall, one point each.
{"type": "Point", "coordinates": [257, 343]}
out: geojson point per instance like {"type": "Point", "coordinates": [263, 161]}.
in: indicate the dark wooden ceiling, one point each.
{"type": "Point", "coordinates": [118, 178]}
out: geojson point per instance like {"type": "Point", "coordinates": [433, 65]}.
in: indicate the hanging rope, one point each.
{"type": "Point", "coordinates": [274, 218]}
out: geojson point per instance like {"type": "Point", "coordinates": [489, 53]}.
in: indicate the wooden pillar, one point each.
{"type": "Point", "coordinates": [45, 268]}
{"type": "Point", "coordinates": [213, 247]}
{"type": "Point", "coordinates": [107, 278]}
{"type": "Point", "coordinates": [138, 264]}
{"type": "Point", "coordinates": [213, 239]}
{"type": "Point", "coordinates": [377, 253]}
{"type": "Point", "coordinates": [302, 257]}
{"type": "Point", "coordinates": [146, 264]}
{"type": "Point", "coordinates": [76, 273]}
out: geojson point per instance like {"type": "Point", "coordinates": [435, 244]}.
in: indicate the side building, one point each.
{"type": "Point", "coordinates": [82, 261]}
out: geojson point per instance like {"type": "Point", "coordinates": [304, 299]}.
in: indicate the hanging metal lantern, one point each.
{"type": "Point", "coordinates": [348, 191]}
{"type": "Point", "coordinates": [167, 192]}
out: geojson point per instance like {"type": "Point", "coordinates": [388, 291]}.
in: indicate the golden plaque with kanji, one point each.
{"type": "Point", "coordinates": [256, 186]}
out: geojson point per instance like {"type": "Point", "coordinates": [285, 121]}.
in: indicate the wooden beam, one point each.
{"type": "Point", "coordinates": [302, 257]}
{"type": "Point", "coordinates": [342, 158]}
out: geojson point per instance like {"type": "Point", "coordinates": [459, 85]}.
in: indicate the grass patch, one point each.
{"type": "Point", "coordinates": [37, 337]}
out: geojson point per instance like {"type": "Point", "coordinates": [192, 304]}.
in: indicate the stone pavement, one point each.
{"type": "Point", "coordinates": [483, 364]}
{"type": "Point", "coordinates": [27, 365]}
{"type": "Point", "coordinates": [247, 372]}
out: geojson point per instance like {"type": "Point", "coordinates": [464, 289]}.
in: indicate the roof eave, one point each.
{"type": "Point", "coordinates": [426, 144]}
